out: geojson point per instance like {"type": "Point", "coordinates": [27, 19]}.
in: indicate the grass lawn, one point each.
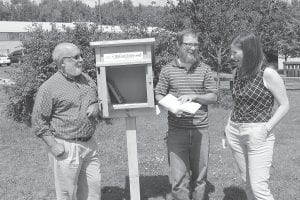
{"type": "Point", "coordinates": [25, 173]}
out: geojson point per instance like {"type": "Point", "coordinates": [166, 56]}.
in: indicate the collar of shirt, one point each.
{"type": "Point", "coordinates": [178, 63]}
{"type": "Point", "coordinates": [69, 78]}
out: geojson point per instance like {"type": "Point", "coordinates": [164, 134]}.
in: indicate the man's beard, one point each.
{"type": "Point", "coordinates": [189, 58]}
{"type": "Point", "coordinates": [73, 72]}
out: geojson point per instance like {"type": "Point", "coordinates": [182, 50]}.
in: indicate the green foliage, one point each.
{"type": "Point", "coordinates": [224, 99]}
{"type": "Point", "coordinates": [112, 13]}
{"type": "Point", "coordinates": [38, 66]}
{"type": "Point", "coordinates": [165, 51]}
{"type": "Point", "coordinates": [4, 10]}
{"type": "Point", "coordinates": [219, 21]}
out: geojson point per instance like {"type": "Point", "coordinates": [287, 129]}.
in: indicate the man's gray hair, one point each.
{"type": "Point", "coordinates": [62, 50]}
{"type": "Point", "coordinates": [181, 34]}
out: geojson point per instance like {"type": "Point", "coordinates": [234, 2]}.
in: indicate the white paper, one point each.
{"type": "Point", "coordinates": [157, 109]}
{"type": "Point", "coordinates": [224, 145]}
{"type": "Point", "coordinates": [172, 103]}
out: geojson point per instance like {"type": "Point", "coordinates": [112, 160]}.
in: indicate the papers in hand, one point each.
{"type": "Point", "coordinates": [172, 103]}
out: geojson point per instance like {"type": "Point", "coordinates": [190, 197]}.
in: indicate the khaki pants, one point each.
{"type": "Point", "coordinates": [253, 152]}
{"type": "Point", "coordinates": [77, 172]}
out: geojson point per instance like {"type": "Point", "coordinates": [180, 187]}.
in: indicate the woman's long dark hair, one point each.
{"type": "Point", "coordinates": [253, 57]}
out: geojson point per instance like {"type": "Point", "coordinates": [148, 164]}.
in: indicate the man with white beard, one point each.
{"type": "Point", "coordinates": [189, 79]}
{"type": "Point", "coordinates": [64, 117]}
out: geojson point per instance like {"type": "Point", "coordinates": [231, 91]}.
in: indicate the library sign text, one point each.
{"type": "Point", "coordinates": [126, 56]}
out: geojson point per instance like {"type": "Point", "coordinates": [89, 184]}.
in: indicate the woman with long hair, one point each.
{"type": "Point", "coordinates": [249, 130]}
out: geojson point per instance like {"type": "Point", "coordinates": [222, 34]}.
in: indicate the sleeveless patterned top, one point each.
{"type": "Point", "coordinates": [253, 102]}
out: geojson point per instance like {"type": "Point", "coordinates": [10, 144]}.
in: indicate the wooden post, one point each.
{"type": "Point", "coordinates": [285, 71]}
{"type": "Point", "coordinates": [134, 181]}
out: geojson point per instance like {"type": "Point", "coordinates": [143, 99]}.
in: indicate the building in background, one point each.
{"type": "Point", "coordinates": [12, 33]}
{"type": "Point", "coordinates": [281, 60]}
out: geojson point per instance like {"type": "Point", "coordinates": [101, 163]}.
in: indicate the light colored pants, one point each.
{"type": "Point", "coordinates": [252, 150]}
{"type": "Point", "coordinates": [188, 158]}
{"type": "Point", "coordinates": [77, 172]}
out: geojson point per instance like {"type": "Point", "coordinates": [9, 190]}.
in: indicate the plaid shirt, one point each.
{"type": "Point", "coordinates": [60, 107]}
{"type": "Point", "coordinates": [176, 80]}
{"type": "Point", "coordinates": [253, 101]}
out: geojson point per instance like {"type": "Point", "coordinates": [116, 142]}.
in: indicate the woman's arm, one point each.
{"type": "Point", "coordinates": [275, 84]}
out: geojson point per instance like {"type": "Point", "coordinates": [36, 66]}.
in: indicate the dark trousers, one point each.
{"type": "Point", "coordinates": [188, 151]}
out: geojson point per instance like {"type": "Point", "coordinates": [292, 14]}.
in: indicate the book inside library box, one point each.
{"type": "Point", "coordinates": [127, 85]}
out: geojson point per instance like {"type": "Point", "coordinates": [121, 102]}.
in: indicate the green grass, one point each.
{"type": "Point", "coordinates": [25, 173]}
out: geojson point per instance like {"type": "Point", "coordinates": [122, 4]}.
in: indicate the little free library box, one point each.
{"type": "Point", "coordinates": [125, 89]}
{"type": "Point", "coordinates": [124, 77]}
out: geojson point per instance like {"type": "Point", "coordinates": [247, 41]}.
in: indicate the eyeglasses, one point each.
{"type": "Point", "coordinates": [196, 45]}
{"type": "Point", "coordinates": [76, 57]}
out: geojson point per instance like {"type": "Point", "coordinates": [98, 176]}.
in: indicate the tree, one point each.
{"type": "Point", "coordinates": [4, 10]}
{"type": "Point", "coordinates": [149, 15]}
{"type": "Point", "coordinates": [219, 21]}
{"type": "Point", "coordinates": [50, 11]}
{"type": "Point", "coordinates": [289, 43]}
{"type": "Point", "coordinates": [23, 9]}
{"type": "Point", "coordinates": [114, 12]}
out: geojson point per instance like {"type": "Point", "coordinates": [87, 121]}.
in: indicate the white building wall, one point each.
{"type": "Point", "coordinates": [289, 59]}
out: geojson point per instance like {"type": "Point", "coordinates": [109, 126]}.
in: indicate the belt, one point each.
{"type": "Point", "coordinates": [82, 139]}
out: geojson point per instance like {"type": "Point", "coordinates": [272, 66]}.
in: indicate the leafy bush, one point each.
{"type": "Point", "coordinates": [38, 66]}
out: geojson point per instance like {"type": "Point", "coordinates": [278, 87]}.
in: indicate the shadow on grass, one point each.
{"type": "Point", "coordinates": [234, 193]}
{"type": "Point", "coordinates": [114, 193]}
{"type": "Point", "coordinates": [210, 188]}
{"type": "Point", "coordinates": [151, 187]}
